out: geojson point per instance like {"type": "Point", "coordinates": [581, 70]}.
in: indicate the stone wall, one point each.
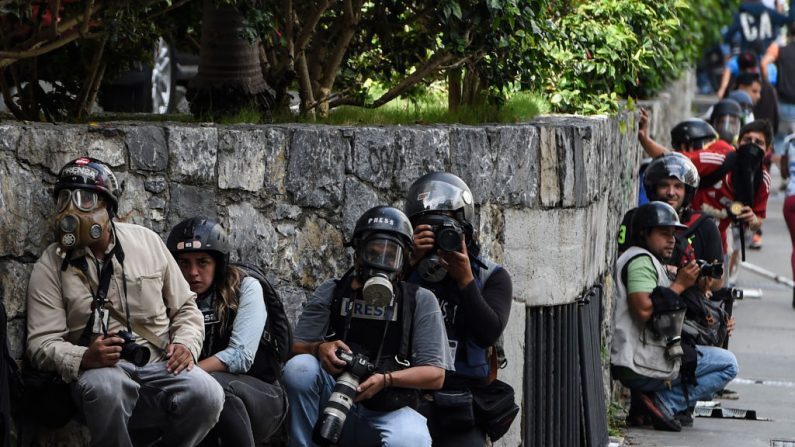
{"type": "Point", "coordinates": [549, 193]}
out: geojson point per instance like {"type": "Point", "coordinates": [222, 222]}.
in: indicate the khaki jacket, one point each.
{"type": "Point", "coordinates": [59, 302]}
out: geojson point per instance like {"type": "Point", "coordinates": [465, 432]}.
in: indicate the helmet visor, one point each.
{"type": "Point", "coordinates": [383, 253]}
{"type": "Point", "coordinates": [727, 125]}
{"type": "Point", "coordinates": [440, 196]}
{"type": "Point", "coordinates": [84, 199]}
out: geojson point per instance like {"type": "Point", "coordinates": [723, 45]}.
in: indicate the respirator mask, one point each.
{"type": "Point", "coordinates": [81, 218]}
{"type": "Point", "coordinates": [380, 260]}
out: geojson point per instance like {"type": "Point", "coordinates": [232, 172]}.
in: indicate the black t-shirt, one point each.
{"type": "Point", "coordinates": [702, 235]}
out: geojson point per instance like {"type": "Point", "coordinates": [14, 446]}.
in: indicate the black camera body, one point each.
{"type": "Point", "coordinates": [328, 427]}
{"type": "Point", "coordinates": [710, 269]}
{"type": "Point", "coordinates": [447, 231]}
{"type": "Point", "coordinates": [131, 351]}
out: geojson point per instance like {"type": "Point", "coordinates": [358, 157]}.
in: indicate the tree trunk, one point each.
{"type": "Point", "coordinates": [454, 89]}
{"type": "Point", "coordinates": [230, 75]}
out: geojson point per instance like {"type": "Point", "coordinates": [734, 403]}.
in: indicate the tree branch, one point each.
{"type": "Point", "coordinates": [432, 64]}
{"type": "Point", "coordinates": [351, 19]}
{"type": "Point", "coordinates": [310, 22]}
{"type": "Point", "coordinates": [9, 57]}
{"type": "Point", "coordinates": [55, 7]}
{"type": "Point", "coordinates": [85, 91]}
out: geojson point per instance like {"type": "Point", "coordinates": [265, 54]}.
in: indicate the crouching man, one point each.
{"type": "Point", "coordinates": [647, 354]}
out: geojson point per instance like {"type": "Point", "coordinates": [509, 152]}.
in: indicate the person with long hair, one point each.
{"type": "Point", "coordinates": [234, 317]}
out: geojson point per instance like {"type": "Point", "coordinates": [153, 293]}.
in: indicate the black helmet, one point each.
{"type": "Point", "coordinates": [200, 234]}
{"type": "Point", "coordinates": [93, 174]}
{"type": "Point", "coordinates": [726, 107]}
{"type": "Point", "coordinates": [671, 164]}
{"type": "Point", "coordinates": [694, 132]}
{"type": "Point", "coordinates": [652, 215]}
{"type": "Point", "coordinates": [384, 219]}
{"type": "Point", "coordinates": [440, 191]}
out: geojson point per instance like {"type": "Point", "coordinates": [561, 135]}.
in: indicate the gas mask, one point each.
{"type": "Point", "coordinates": [669, 326]}
{"type": "Point", "coordinates": [746, 175]}
{"type": "Point", "coordinates": [81, 218]}
{"type": "Point", "coordinates": [379, 262]}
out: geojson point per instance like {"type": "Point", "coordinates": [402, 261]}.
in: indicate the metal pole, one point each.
{"type": "Point", "coordinates": [768, 274]}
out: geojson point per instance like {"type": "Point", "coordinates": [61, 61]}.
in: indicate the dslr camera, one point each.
{"type": "Point", "coordinates": [712, 270]}
{"type": "Point", "coordinates": [328, 427]}
{"type": "Point", "coordinates": [447, 231]}
{"type": "Point", "coordinates": [131, 351]}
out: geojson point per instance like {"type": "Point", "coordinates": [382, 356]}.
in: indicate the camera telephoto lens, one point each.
{"type": "Point", "coordinates": [328, 428]}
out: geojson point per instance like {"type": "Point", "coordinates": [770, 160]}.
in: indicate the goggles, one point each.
{"type": "Point", "coordinates": [384, 253]}
{"type": "Point", "coordinates": [84, 199]}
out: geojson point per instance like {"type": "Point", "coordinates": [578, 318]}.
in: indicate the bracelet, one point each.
{"type": "Point", "coordinates": [391, 379]}
{"type": "Point", "coordinates": [384, 374]}
{"type": "Point", "coordinates": [317, 348]}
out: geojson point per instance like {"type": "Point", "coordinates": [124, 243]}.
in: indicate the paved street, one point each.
{"type": "Point", "coordinates": [764, 343]}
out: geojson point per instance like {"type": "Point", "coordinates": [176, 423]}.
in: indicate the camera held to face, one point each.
{"type": "Point", "coordinates": [711, 270]}
{"type": "Point", "coordinates": [131, 351]}
{"type": "Point", "coordinates": [328, 427]}
{"type": "Point", "coordinates": [447, 231]}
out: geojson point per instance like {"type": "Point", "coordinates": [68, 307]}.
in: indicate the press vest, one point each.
{"type": "Point", "coordinates": [366, 329]}
{"type": "Point", "coordinates": [635, 345]}
{"type": "Point", "coordinates": [471, 360]}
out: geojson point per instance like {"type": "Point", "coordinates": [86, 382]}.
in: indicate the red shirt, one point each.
{"type": "Point", "coordinates": [720, 196]}
{"type": "Point", "coordinates": [710, 159]}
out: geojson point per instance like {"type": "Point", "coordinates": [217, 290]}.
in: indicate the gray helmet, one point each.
{"type": "Point", "coordinates": [671, 164]}
{"type": "Point", "coordinates": [440, 191]}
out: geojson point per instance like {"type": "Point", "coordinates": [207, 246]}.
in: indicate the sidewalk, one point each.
{"type": "Point", "coordinates": [764, 343]}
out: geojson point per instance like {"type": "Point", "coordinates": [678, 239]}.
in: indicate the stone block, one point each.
{"type": "Point", "coordinates": [319, 253]}
{"type": "Point", "coordinates": [27, 209]}
{"type": "Point", "coordinates": [516, 149]}
{"type": "Point", "coordinates": [358, 199]}
{"type": "Point", "coordinates": [192, 154]}
{"type": "Point", "coordinates": [134, 203]}
{"type": "Point", "coordinates": [293, 298]}
{"type": "Point", "coordinates": [549, 178]}
{"type": "Point", "coordinates": [16, 337]}
{"type": "Point", "coordinates": [249, 158]}
{"type": "Point", "coordinates": [374, 159]}
{"type": "Point", "coordinates": [513, 374]}
{"type": "Point", "coordinates": [148, 148]}
{"type": "Point", "coordinates": [156, 184]}
{"type": "Point", "coordinates": [188, 201]}
{"type": "Point", "coordinates": [316, 167]}
{"type": "Point", "coordinates": [50, 146]}
{"type": "Point", "coordinates": [473, 160]}
{"type": "Point", "coordinates": [491, 228]}
{"type": "Point", "coordinates": [542, 244]}
{"type": "Point", "coordinates": [252, 235]}
{"type": "Point", "coordinates": [14, 277]}
{"type": "Point", "coordinates": [9, 137]}
{"type": "Point", "coordinates": [106, 144]}
{"type": "Point", "coordinates": [420, 150]}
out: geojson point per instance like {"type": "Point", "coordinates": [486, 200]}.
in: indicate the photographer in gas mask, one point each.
{"type": "Point", "coordinates": [367, 342]}
{"type": "Point", "coordinates": [647, 350]}
{"type": "Point", "coordinates": [109, 312]}
{"type": "Point", "coordinates": [474, 294]}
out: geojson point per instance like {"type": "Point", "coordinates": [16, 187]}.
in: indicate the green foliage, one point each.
{"type": "Point", "coordinates": [605, 51]}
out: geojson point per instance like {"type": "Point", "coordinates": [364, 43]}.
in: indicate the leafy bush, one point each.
{"type": "Point", "coordinates": [604, 51]}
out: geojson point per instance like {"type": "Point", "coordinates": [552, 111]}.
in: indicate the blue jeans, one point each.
{"type": "Point", "coordinates": [715, 368]}
{"type": "Point", "coordinates": [309, 387]}
{"type": "Point", "coordinates": [786, 126]}
{"type": "Point", "coordinates": [183, 407]}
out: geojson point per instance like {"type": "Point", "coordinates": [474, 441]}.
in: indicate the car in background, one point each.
{"type": "Point", "coordinates": [151, 89]}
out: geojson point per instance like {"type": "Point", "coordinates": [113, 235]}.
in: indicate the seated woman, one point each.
{"type": "Point", "coordinates": [234, 319]}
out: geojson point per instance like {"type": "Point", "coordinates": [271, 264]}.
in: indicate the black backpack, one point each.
{"type": "Point", "coordinates": [277, 339]}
